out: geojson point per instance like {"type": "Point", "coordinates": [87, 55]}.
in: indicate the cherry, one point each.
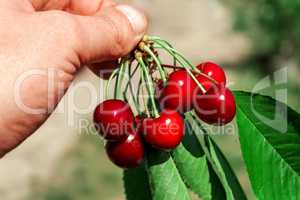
{"type": "Point", "coordinates": [205, 82]}
{"type": "Point", "coordinates": [178, 94]}
{"type": "Point", "coordinates": [217, 106]}
{"type": "Point", "coordinates": [164, 132]}
{"type": "Point", "coordinates": [214, 71]}
{"type": "Point", "coordinates": [128, 153]}
{"type": "Point", "coordinates": [114, 119]}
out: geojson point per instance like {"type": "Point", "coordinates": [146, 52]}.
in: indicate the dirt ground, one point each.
{"type": "Point", "coordinates": [199, 29]}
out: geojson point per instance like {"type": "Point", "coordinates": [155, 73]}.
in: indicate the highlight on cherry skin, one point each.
{"type": "Point", "coordinates": [164, 132]}
{"type": "Point", "coordinates": [128, 153]}
{"type": "Point", "coordinates": [178, 92]}
{"type": "Point", "coordinates": [214, 71]}
{"type": "Point", "coordinates": [114, 119]}
{"type": "Point", "coordinates": [212, 74]}
{"type": "Point", "coordinates": [217, 106]}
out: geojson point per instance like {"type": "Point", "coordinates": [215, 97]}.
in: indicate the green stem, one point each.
{"type": "Point", "coordinates": [139, 92]}
{"type": "Point", "coordinates": [114, 73]}
{"type": "Point", "coordinates": [145, 102]}
{"type": "Point", "coordinates": [180, 68]}
{"type": "Point", "coordinates": [130, 77]}
{"type": "Point", "coordinates": [183, 63]}
{"type": "Point", "coordinates": [129, 85]}
{"type": "Point", "coordinates": [165, 45]}
{"type": "Point", "coordinates": [162, 72]}
{"type": "Point", "coordinates": [149, 84]}
{"type": "Point", "coordinates": [124, 66]}
{"type": "Point", "coordinates": [174, 61]}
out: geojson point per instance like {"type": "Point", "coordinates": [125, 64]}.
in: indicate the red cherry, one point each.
{"type": "Point", "coordinates": [164, 132]}
{"type": "Point", "coordinates": [128, 153]}
{"type": "Point", "coordinates": [178, 94]}
{"type": "Point", "coordinates": [214, 71]}
{"type": "Point", "coordinates": [217, 106]}
{"type": "Point", "coordinates": [114, 119]}
{"type": "Point", "coordinates": [205, 82]}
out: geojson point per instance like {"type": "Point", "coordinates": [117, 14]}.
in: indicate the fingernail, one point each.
{"type": "Point", "coordinates": [136, 18]}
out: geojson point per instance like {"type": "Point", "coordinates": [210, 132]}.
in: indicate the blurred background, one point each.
{"type": "Point", "coordinates": [250, 39]}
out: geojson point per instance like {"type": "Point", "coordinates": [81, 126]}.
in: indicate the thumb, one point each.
{"type": "Point", "coordinates": [109, 35]}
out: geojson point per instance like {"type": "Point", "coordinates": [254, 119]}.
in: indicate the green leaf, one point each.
{"type": "Point", "coordinates": [192, 165]}
{"type": "Point", "coordinates": [228, 176]}
{"type": "Point", "coordinates": [218, 191]}
{"type": "Point", "coordinates": [271, 149]}
{"type": "Point", "coordinates": [136, 184]}
{"type": "Point", "coordinates": [220, 171]}
{"type": "Point", "coordinates": [165, 180]}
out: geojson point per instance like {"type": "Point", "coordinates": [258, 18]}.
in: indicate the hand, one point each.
{"type": "Point", "coordinates": [39, 36]}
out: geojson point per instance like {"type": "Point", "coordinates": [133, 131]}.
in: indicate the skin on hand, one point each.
{"type": "Point", "coordinates": [39, 37]}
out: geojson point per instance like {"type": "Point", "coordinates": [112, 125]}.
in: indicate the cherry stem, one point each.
{"type": "Point", "coordinates": [162, 72]}
{"type": "Point", "coordinates": [168, 47]}
{"type": "Point", "coordinates": [129, 85]}
{"type": "Point", "coordinates": [131, 74]}
{"type": "Point", "coordinates": [145, 102]}
{"type": "Point", "coordinates": [114, 73]}
{"type": "Point", "coordinates": [182, 62]}
{"type": "Point", "coordinates": [168, 44]}
{"type": "Point", "coordinates": [139, 92]}
{"type": "Point", "coordinates": [148, 82]}
{"type": "Point", "coordinates": [181, 68]}
{"type": "Point", "coordinates": [118, 87]}
{"type": "Point", "coordinates": [172, 66]}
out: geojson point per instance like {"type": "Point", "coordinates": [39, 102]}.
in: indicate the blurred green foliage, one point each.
{"type": "Point", "coordinates": [273, 27]}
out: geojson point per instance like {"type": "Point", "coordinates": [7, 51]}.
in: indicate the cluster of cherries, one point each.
{"type": "Point", "coordinates": [126, 134]}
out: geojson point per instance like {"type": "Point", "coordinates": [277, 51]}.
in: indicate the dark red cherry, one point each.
{"type": "Point", "coordinates": [164, 132]}
{"type": "Point", "coordinates": [128, 153]}
{"type": "Point", "coordinates": [178, 94]}
{"type": "Point", "coordinates": [217, 106]}
{"type": "Point", "coordinates": [214, 71]}
{"type": "Point", "coordinates": [114, 119]}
